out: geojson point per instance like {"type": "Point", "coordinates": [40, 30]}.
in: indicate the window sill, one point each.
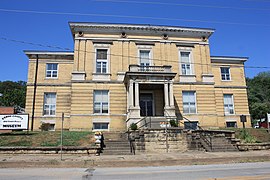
{"type": "Point", "coordinates": [48, 115]}
{"type": "Point", "coordinates": [226, 80]}
{"type": "Point", "coordinates": [96, 114]}
{"type": "Point", "coordinates": [53, 78]}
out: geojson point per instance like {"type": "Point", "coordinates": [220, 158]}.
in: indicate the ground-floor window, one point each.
{"type": "Point", "coordinates": [47, 127]}
{"type": "Point", "coordinates": [231, 124]}
{"type": "Point", "coordinates": [191, 125]}
{"type": "Point", "coordinates": [100, 126]}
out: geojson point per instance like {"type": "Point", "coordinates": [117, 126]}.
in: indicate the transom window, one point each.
{"type": "Point", "coordinates": [185, 63]}
{"type": "Point", "coordinates": [51, 70]}
{"type": "Point", "coordinates": [101, 101]}
{"type": "Point", "coordinates": [102, 60]}
{"type": "Point", "coordinates": [228, 104]}
{"type": "Point", "coordinates": [49, 104]}
{"type": "Point", "coordinates": [189, 102]}
{"type": "Point", "coordinates": [225, 73]}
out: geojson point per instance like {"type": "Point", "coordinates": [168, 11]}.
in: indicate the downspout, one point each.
{"type": "Point", "coordinates": [34, 98]}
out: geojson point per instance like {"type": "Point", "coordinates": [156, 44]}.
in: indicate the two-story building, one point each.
{"type": "Point", "coordinates": [121, 73]}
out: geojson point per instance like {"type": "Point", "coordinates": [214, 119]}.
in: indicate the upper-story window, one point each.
{"type": "Point", "coordinates": [49, 104]}
{"type": "Point", "coordinates": [225, 73]}
{"type": "Point", "coordinates": [185, 59]}
{"type": "Point", "coordinates": [189, 102]}
{"type": "Point", "coordinates": [228, 104]}
{"type": "Point", "coordinates": [101, 101]}
{"type": "Point", "coordinates": [145, 58]}
{"type": "Point", "coordinates": [51, 70]}
{"type": "Point", "coordinates": [101, 60]}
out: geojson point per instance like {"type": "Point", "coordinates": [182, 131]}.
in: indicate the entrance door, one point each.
{"type": "Point", "coordinates": [146, 104]}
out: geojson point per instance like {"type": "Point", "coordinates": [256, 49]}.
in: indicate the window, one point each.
{"type": "Point", "coordinates": [51, 70]}
{"type": "Point", "coordinates": [191, 125]}
{"type": "Point", "coordinates": [101, 60]}
{"type": "Point", "coordinates": [100, 126]}
{"type": "Point", "coordinates": [49, 104]}
{"type": "Point", "coordinates": [101, 104]}
{"type": "Point", "coordinates": [228, 104]}
{"type": "Point", "coordinates": [225, 73]}
{"type": "Point", "coordinates": [185, 63]}
{"type": "Point", "coordinates": [231, 124]}
{"type": "Point", "coordinates": [189, 102]}
{"type": "Point", "coordinates": [145, 60]}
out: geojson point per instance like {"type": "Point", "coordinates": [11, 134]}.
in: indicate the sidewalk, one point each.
{"type": "Point", "coordinates": [139, 160]}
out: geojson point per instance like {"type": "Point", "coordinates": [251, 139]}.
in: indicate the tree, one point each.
{"type": "Point", "coordinates": [259, 95]}
{"type": "Point", "coordinates": [12, 93]}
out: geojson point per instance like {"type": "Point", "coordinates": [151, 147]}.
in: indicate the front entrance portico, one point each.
{"type": "Point", "coordinates": [150, 93]}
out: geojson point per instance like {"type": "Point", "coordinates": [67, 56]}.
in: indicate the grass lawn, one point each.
{"type": "Point", "coordinates": [47, 138]}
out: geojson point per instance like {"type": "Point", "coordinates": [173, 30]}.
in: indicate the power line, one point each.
{"type": "Point", "coordinates": [128, 16]}
{"type": "Point", "coordinates": [127, 56]}
{"type": "Point", "coordinates": [180, 4]}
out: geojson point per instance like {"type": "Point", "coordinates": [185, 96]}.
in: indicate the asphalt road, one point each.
{"type": "Point", "coordinates": [247, 171]}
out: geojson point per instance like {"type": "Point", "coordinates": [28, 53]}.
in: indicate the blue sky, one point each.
{"type": "Point", "coordinates": [242, 26]}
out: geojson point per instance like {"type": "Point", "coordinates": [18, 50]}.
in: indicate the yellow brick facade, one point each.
{"type": "Point", "coordinates": [77, 78]}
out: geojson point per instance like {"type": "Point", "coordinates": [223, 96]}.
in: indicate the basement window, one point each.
{"type": "Point", "coordinates": [100, 126]}
{"type": "Point", "coordinates": [191, 125]}
{"type": "Point", "coordinates": [231, 124]}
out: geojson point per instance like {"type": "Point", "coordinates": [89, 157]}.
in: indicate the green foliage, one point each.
{"type": "Point", "coordinates": [247, 137]}
{"type": "Point", "coordinates": [133, 126]}
{"type": "Point", "coordinates": [173, 123]}
{"type": "Point", "coordinates": [259, 95]}
{"type": "Point", "coordinates": [13, 93]}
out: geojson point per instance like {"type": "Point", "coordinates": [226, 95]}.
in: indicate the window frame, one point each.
{"type": "Point", "coordinates": [189, 107]}
{"type": "Point", "coordinates": [190, 63]}
{"type": "Point", "coordinates": [225, 75]}
{"type": "Point", "coordinates": [145, 48]}
{"type": "Point", "coordinates": [101, 129]}
{"type": "Point", "coordinates": [46, 104]}
{"type": "Point", "coordinates": [228, 122]}
{"type": "Point", "coordinates": [101, 103]}
{"type": "Point", "coordinates": [51, 71]}
{"type": "Point", "coordinates": [98, 46]}
{"type": "Point", "coordinates": [232, 99]}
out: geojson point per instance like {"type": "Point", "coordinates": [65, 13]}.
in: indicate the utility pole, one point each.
{"type": "Point", "coordinates": [63, 115]}
{"type": "Point", "coordinates": [34, 95]}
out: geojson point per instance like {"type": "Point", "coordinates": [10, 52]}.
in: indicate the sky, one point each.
{"type": "Point", "coordinates": [242, 27]}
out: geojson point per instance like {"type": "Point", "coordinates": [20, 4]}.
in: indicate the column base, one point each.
{"type": "Point", "coordinates": [169, 111]}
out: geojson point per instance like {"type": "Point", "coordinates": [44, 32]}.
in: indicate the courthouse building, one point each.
{"type": "Point", "coordinates": [121, 73]}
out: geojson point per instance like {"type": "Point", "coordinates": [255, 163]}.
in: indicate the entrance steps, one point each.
{"type": "Point", "coordinates": [116, 144]}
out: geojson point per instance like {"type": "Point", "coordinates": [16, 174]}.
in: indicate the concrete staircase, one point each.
{"type": "Point", "coordinates": [212, 141]}
{"type": "Point", "coordinates": [116, 144]}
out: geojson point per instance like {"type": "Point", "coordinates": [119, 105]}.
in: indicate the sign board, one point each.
{"type": "Point", "coordinates": [243, 118]}
{"type": "Point", "coordinates": [268, 117]}
{"type": "Point", "coordinates": [14, 121]}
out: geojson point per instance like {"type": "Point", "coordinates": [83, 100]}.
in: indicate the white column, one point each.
{"type": "Point", "coordinates": [171, 95]}
{"type": "Point", "coordinates": [136, 94]}
{"type": "Point", "coordinates": [130, 91]}
{"type": "Point", "coordinates": [166, 94]}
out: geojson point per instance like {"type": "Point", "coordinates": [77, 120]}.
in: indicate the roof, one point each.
{"type": "Point", "coordinates": [228, 59]}
{"type": "Point", "coordinates": [140, 29]}
{"type": "Point", "coordinates": [34, 53]}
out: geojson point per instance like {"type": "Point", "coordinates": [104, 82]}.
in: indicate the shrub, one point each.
{"type": "Point", "coordinates": [173, 123]}
{"type": "Point", "coordinates": [133, 126]}
{"type": "Point", "coordinates": [247, 137]}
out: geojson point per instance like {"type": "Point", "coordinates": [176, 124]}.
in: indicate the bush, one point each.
{"type": "Point", "coordinates": [173, 123]}
{"type": "Point", "coordinates": [247, 137]}
{"type": "Point", "coordinates": [133, 127]}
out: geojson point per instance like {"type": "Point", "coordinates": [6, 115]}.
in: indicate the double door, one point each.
{"type": "Point", "coordinates": [146, 104]}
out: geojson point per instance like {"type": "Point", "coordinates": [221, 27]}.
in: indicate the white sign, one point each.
{"type": "Point", "coordinates": [14, 121]}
